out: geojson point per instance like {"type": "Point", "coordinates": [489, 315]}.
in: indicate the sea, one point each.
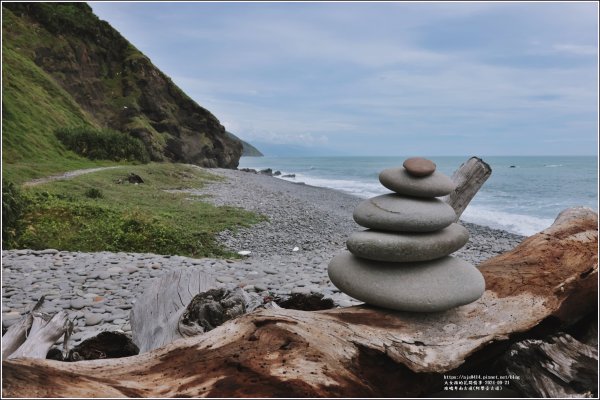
{"type": "Point", "coordinates": [523, 195]}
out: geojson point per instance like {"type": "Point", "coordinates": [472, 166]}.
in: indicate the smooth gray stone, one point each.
{"type": "Point", "coordinates": [104, 275]}
{"type": "Point", "coordinates": [79, 303]}
{"type": "Point", "coordinates": [401, 182]}
{"type": "Point", "coordinates": [49, 251]}
{"type": "Point", "coordinates": [427, 286]}
{"type": "Point", "coordinates": [406, 247]}
{"type": "Point", "coordinates": [392, 212]}
{"type": "Point", "coordinates": [92, 319]}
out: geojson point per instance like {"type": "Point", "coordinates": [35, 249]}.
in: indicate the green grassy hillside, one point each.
{"type": "Point", "coordinates": [34, 105]}
{"type": "Point", "coordinates": [63, 67]}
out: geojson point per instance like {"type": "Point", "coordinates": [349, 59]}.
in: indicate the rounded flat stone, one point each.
{"type": "Point", "coordinates": [401, 182]}
{"type": "Point", "coordinates": [78, 304]}
{"type": "Point", "coordinates": [391, 212]}
{"type": "Point", "coordinates": [428, 286]}
{"type": "Point", "coordinates": [406, 247]}
{"type": "Point", "coordinates": [418, 166]}
{"type": "Point", "coordinates": [92, 319]}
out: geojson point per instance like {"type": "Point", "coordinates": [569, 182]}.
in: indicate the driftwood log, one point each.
{"type": "Point", "coordinates": [155, 315]}
{"type": "Point", "coordinates": [548, 281]}
{"type": "Point", "coordinates": [469, 178]}
{"type": "Point", "coordinates": [35, 333]}
{"type": "Point", "coordinates": [184, 303]}
{"type": "Point", "coordinates": [16, 334]}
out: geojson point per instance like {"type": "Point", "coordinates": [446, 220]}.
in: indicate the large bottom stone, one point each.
{"type": "Point", "coordinates": [427, 286]}
{"type": "Point", "coordinates": [407, 247]}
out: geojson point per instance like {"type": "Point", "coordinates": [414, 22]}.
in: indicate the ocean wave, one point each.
{"type": "Point", "coordinates": [553, 165]}
{"type": "Point", "coordinates": [526, 225]}
{"type": "Point", "coordinates": [356, 188]}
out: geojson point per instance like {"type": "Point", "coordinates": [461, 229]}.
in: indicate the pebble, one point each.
{"type": "Point", "coordinates": [92, 319]}
{"type": "Point", "coordinates": [78, 304]}
{"type": "Point", "coordinates": [419, 167]}
{"type": "Point", "coordinates": [301, 290]}
{"type": "Point", "coordinates": [131, 269]}
{"type": "Point", "coordinates": [49, 251]}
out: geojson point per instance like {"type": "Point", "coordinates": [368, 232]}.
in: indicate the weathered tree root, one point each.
{"type": "Point", "coordinates": [42, 336]}
{"type": "Point", "coordinates": [17, 333]}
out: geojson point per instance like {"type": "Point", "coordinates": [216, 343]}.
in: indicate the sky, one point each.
{"type": "Point", "coordinates": [388, 78]}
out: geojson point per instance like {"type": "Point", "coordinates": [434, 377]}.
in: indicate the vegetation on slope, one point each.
{"type": "Point", "coordinates": [34, 105]}
{"type": "Point", "coordinates": [94, 213]}
{"type": "Point", "coordinates": [65, 68]}
{"type": "Point", "coordinates": [103, 144]}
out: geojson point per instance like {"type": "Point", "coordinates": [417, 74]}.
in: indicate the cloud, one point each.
{"type": "Point", "coordinates": [577, 49]}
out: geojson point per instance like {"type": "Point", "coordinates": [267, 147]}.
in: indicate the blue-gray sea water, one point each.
{"type": "Point", "coordinates": [523, 195]}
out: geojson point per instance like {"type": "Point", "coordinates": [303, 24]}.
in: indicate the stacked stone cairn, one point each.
{"type": "Point", "coordinates": [402, 261]}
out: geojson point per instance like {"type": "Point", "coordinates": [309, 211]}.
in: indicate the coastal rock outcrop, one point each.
{"type": "Point", "coordinates": [402, 262]}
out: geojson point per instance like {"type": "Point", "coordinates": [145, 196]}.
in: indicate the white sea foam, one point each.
{"type": "Point", "coordinates": [356, 188]}
{"type": "Point", "coordinates": [553, 165]}
{"type": "Point", "coordinates": [516, 223]}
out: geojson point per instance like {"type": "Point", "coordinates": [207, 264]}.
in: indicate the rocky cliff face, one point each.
{"type": "Point", "coordinates": [116, 85]}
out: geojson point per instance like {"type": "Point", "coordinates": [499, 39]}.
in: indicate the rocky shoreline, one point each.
{"type": "Point", "coordinates": [289, 254]}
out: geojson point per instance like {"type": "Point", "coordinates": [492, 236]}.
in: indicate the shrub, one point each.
{"type": "Point", "coordinates": [103, 144]}
{"type": "Point", "coordinates": [94, 193]}
{"type": "Point", "coordinates": [14, 205]}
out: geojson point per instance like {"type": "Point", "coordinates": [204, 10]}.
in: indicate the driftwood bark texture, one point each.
{"type": "Point", "coordinates": [35, 333]}
{"type": "Point", "coordinates": [549, 279]}
{"type": "Point", "coordinates": [155, 316]}
{"type": "Point", "coordinates": [469, 178]}
{"type": "Point", "coordinates": [560, 367]}
{"type": "Point", "coordinates": [184, 303]}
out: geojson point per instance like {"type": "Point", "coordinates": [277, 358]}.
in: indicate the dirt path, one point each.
{"type": "Point", "coordinates": [66, 175]}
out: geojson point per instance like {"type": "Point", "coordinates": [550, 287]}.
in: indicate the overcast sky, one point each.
{"type": "Point", "coordinates": [383, 78]}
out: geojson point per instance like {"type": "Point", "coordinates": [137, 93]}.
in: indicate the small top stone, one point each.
{"type": "Point", "coordinates": [418, 166]}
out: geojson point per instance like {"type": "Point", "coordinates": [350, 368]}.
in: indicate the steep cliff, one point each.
{"type": "Point", "coordinates": [62, 62]}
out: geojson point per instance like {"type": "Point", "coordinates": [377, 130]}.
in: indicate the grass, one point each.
{"type": "Point", "coordinates": [33, 106]}
{"type": "Point", "coordinates": [128, 217]}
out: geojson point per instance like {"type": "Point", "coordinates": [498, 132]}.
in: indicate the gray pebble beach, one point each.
{"type": "Point", "coordinates": [289, 254]}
